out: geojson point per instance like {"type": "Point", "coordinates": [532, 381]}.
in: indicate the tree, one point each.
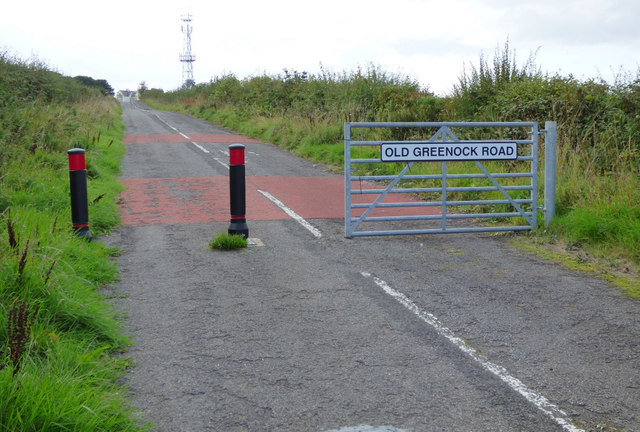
{"type": "Point", "coordinates": [100, 84]}
{"type": "Point", "coordinates": [142, 88]}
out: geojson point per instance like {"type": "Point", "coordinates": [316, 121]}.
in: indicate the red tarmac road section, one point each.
{"type": "Point", "coordinates": [177, 138]}
{"type": "Point", "coordinates": [206, 199]}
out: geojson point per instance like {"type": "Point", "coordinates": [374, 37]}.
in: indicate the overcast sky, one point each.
{"type": "Point", "coordinates": [126, 42]}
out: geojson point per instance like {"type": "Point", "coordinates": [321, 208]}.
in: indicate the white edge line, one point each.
{"type": "Point", "coordinates": [291, 213]}
{"type": "Point", "coordinates": [541, 402]}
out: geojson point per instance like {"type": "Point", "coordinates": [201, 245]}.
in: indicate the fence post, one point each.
{"type": "Point", "coordinates": [550, 171]}
{"type": "Point", "coordinates": [237, 191]}
{"type": "Point", "coordinates": [78, 190]}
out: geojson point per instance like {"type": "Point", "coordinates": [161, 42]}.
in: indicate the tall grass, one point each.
{"type": "Point", "coordinates": [62, 373]}
{"type": "Point", "coordinates": [598, 137]}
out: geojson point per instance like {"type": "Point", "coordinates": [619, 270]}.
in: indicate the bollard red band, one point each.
{"type": "Point", "coordinates": [80, 225]}
{"type": "Point", "coordinates": [236, 154]}
{"type": "Point", "coordinates": [76, 160]}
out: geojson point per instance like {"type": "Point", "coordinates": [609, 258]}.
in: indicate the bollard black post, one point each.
{"type": "Point", "coordinates": [78, 188]}
{"type": "Point", "coordinates": [237, 191]}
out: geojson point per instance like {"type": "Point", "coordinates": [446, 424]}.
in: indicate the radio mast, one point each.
{"type": "Point", "coordinates": [186, 57]}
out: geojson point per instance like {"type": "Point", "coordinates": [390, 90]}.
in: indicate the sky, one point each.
{"type": "Point", "coordinates": [430, 41]}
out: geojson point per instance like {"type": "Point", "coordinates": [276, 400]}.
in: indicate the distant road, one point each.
{"type": "Point", "coordinates": [310, 332]}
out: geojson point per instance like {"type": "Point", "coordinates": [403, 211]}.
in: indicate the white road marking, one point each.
{"type": "Point", "coordinates": [291, 213]}
{"type": "Point", "coordinates": [168, 125]}
{"type": "Point", "coordinates": [220, 162]}
{"type": "Point", "coordinates": [543, 404]}
{"type": "Point", "coordinates": [194, 143]}
{"type": "Point", "coordinates": [200, 147]}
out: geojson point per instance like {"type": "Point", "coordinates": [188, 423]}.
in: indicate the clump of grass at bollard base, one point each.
{"type": "Point", "coordinates": [224, 241]}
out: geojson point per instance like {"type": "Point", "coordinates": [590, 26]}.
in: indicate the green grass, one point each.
{"type": "Point", "coordinates": [64, 375]}
{"type": "Point", "coordinates": [226, 242]}
{"type": "Point", "coordinates": [65, 383]}
{"type": "Point", "coordinates": [606, 224]}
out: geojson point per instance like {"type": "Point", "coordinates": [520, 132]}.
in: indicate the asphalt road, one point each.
{"type": "Point", "coordinates": [319, 333]}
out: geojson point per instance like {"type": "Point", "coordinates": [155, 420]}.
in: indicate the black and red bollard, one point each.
{"type": "Point", "coordinates": [237, 191]}
{"type": "Point", "coordinates": [78, 188]}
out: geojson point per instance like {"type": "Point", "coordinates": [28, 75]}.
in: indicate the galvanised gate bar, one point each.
{"type": "Point", "coordinates": [504, 186]}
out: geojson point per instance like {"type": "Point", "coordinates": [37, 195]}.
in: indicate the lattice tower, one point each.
{"type": "Point", "coordinates": [187, 57]}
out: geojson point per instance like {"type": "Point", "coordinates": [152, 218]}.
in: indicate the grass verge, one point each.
{"type": "Point", "coordinates": [620, 272]}
{"type": "Point", "coordinates": [60, 341]}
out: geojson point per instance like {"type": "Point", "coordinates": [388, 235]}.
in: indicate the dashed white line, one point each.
{"type": "Point", "coordinates": [204, 150]}
{"type": "Point", "coordinates": [291, 213]}
{"type": "Point", "coordinates": [542, 403]}
{"type": "Point", "coordinates": [200, 147]}
{"type": "Point", "coordinates": [220, 162]}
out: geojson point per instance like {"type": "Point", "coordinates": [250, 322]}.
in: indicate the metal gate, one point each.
{"type": "Point", "coordinates": [464, 176]}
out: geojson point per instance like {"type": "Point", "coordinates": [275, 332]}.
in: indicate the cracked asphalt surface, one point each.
{"type": "Point", "coordinates": [290, 336]}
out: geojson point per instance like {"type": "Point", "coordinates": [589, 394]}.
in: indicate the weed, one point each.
{"type": "Point", "coordinates": [48, 275]}
{"type": "Point", "coordinates": [23, 261]}
{"type": "Point", "coordinates": [21, 318]}
{"type": "Point", "coordinates": [224, 241]}
{"type": "Point", "coordinates": [13, 240]}
{"type": "Point", "coordinates": [54, 226]}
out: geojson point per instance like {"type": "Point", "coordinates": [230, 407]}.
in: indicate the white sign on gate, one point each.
{"type": "Point", "coordinates": [445, 151]}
